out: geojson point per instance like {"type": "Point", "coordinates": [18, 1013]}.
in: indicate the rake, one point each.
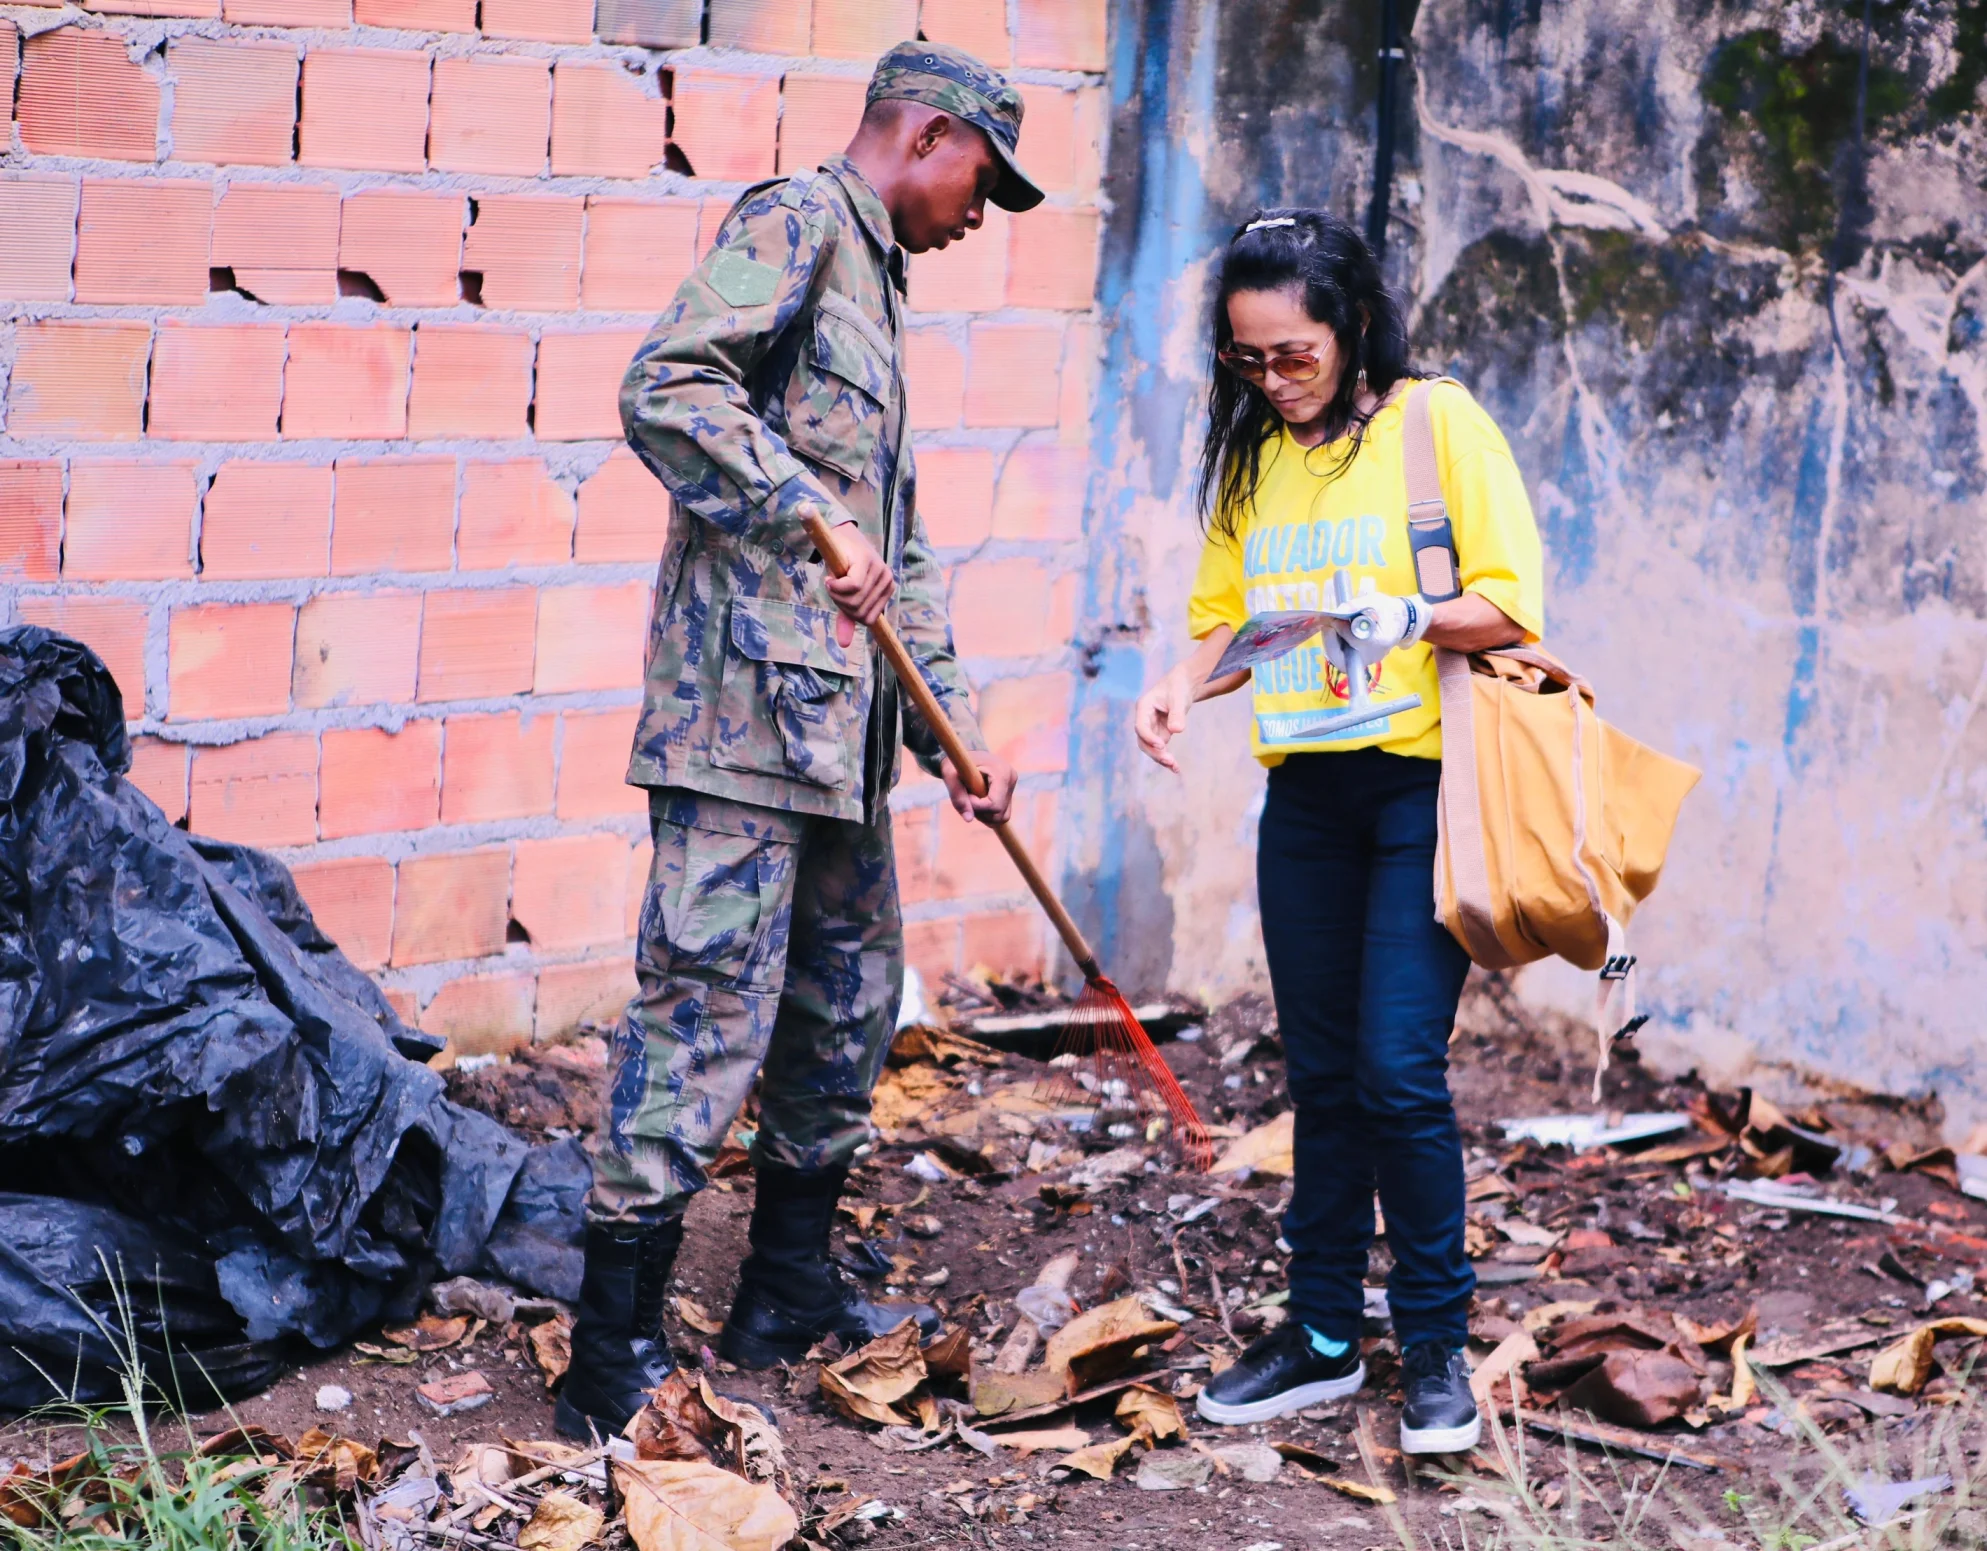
{"type": "Point", "coordinates": [1103, 1041]}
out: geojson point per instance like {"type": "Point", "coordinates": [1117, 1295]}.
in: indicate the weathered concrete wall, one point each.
{"type": "Point", "coordinates": [1760, 485]}
{"type": "Point", "coordinates": [312, 314]}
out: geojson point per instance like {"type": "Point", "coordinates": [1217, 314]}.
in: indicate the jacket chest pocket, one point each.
{"type": "Point", "coordinates": [790, 701]}
{"type": "Point", "coordinates": [841, 390]}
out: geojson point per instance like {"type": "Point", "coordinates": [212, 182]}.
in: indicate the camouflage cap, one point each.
{"type": "Point", "coordinates": [943, 77]}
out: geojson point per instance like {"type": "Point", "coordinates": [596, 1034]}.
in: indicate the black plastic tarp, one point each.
{"type": "Point", "coordinates": [201, 1098]}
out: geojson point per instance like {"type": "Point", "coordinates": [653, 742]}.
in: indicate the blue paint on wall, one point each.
{"type": "Point", "coordinates": [1145, 409]}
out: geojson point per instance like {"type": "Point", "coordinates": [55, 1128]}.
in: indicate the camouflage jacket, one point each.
{"type": "Point", "coordinates": [773, 386]}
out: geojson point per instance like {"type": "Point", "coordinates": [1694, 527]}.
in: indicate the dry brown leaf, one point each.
{"type": "Point", "coordinates": [532, 1454]}
{"type": "Point", "coordinates": [866, 1384]}
{"type": "Point", "coordinates": [907, 1094]}
{"type": "Point", "coordinates": [398, 1356]}
{"type": "Point", "coordinates": [1510, 1354]}
{"type": "Point", "coordinates": [928, 1042]}
{"type": "Point", "coordinates": [552, 1347]}
{"type": "Point", "coordinates": [1304, 1457]}
{"type": "Point", "coordinates": [1547, 1314]}
{"type": "Point", "coordinates": [1021, 1101]}
{"type": "Point", "coordinates": [690, 1505]}
{"type": "Point", "coordinates": [1719, 1333]}
{"type": "Point", "coordinates": [430, 1333]}
{"type": "Point", "coordinates": [1099, 1460]}
{"type": "Point", "coordinates": [1638, 1389]}
{"type": "Point", "coordinates": [676, 1424]}
{"type": "Point", "coordinates": [1358, 1489]}
{"type": "Point", "coordinates": [697, 1317]}
{"type": "Point", "coordinates": [1062, 1439]}
{"type": "Point", "coordinates": [24, 1496]}
{"type": "Point", "coordinates": [250, 1439]}
{"type": "Point", "coordinates": [1903, 1367]}
{"type": "Point", "coordinates": [996, 1394]}
{"type": "Point", "coordinates": [561, 1523]}
{"type": "Point", "coordinates": [1152, 1409]}
{"type": "Point", "coordinates": [485, 1462]}
{"type": "Point", "coordinates": [755, 1442]}
{"type": "Point", "coordinates": [55, 1495]}
{"type": "Point", "coordinates": [334, 1463]}
{"type": "Point", "coordinates": [1745, 1388]}
{"type": "Point", "coordinates": [1100, 1343]}
{"type": "Point", "coordinates": [950, 1356]}
{"type": "Point", "coordinates": [1269, 1149]}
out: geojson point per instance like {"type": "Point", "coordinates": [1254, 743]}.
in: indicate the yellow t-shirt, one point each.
{"type": "Point", "coordinates": [1303, 525]}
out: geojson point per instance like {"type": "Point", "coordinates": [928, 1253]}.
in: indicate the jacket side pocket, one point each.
{"type": "Point", "coordinates": [787, 702]}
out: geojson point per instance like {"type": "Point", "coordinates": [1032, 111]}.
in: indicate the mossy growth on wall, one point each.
{"type": "Point", "coordinates": [1496, 311]}
{"type": "Point", "coordinates": [1622, 278]}
{"type": "Point", "coordinates": [1799, 112]}
{"type": "Point", "coordinates": [1960, 92]}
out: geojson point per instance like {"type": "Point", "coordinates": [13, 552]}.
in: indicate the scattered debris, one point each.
{"type": "Point", "coordinates": [1877, 1502]}
{"type": "Point", "coordinates": [1792, 1198]}
{"type": "Point", "coordinates": [867, 1383]}
{"type": "Point", "coordinates": [1174, 1472]}
{"type": "Point", "coordinates": [1623, 1440]}
{"type": "Point", "coordinates": [1256, 1462]}
{"type": "Point", "coordinates": [479, 1300]}
{"type": "Point", "coordinates": [1268, 1149]}
{"type": "Point", "coordinates": [1584, 1132]}
{"type": "Point", "coordinates": [456, 1394]}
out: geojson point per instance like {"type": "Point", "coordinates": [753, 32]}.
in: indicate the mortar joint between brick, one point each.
{"type": "Point", "coordinates": [402, 845]}
{"type": "Point", "coordinates": [219, 732]}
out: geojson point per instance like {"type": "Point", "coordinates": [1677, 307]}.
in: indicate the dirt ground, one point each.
{"type": "Point", "coordinates": [1646, 1235]}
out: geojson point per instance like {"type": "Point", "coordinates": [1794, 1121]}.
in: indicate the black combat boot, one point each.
{"type": "Point", "coordinates": [619, 1353]}
{"type": "Point", "coordinates": [791, 1293]}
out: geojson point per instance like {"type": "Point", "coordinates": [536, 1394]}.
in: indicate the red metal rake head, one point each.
{"type": "Point", "coordinates": [1106, 1064]}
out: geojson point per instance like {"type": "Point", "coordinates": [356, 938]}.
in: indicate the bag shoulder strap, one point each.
{"type": "Point", "coordinates": [1431, 538]}
{"type": "Point", "coordinates": [1459, 847]}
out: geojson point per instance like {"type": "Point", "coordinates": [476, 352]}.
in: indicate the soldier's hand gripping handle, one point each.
{"type": "Point", "coordinates": [836, 557]}
{"type": "Point", "coordinates": [970, 773]}
{"type": "Point", "coordinates": [863, 587]}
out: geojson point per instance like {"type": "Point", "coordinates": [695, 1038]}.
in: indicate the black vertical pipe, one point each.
{"type": "Point", "coordinates": [1383, 137]}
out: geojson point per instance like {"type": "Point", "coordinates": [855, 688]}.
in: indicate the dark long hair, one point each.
{"type": "Point", "coordinates": [1329, 264]}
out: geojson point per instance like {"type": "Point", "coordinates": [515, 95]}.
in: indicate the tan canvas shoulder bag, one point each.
{"type": "Point", "coordinates": [1553, 824]}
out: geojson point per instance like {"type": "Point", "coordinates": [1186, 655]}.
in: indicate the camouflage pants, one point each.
{"type": "Point", "coordinates": [769, 940]}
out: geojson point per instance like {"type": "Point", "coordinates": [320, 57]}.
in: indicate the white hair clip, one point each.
{"type": "Point", "coordinates": [1281, 220]}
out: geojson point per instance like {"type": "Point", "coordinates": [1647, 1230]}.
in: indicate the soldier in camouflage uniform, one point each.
{"type": "Point", "coordinates": [771, 940]}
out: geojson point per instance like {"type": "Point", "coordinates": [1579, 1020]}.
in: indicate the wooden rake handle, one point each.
{"type": "Point", "coordinates": [901, 663]}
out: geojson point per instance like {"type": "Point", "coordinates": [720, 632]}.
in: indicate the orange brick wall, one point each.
{"type": "Point", "coordinates": [312, 314]}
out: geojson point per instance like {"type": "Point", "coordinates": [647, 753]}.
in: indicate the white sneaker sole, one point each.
{"type": "Point", "coordinates": [1279, 1405]}
{"type": "Point", "coordinates": [1441, 1440]}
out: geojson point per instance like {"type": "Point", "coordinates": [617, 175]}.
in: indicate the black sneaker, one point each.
{"type": "Point", "coordinates": [1440, 1416]}
{"type": "Point", "coordinates": [1290, 1368]}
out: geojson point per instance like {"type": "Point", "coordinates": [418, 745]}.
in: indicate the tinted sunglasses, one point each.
{"type": "Point", "coordinates": [1291, 368]}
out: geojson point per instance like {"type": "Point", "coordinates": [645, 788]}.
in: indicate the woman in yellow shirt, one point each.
{"type": "Point", "coordinates": [1302, 477]}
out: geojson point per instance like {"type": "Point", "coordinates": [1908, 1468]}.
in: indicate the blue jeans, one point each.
{"type": "Point", "coordinates": [1366, 983]}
